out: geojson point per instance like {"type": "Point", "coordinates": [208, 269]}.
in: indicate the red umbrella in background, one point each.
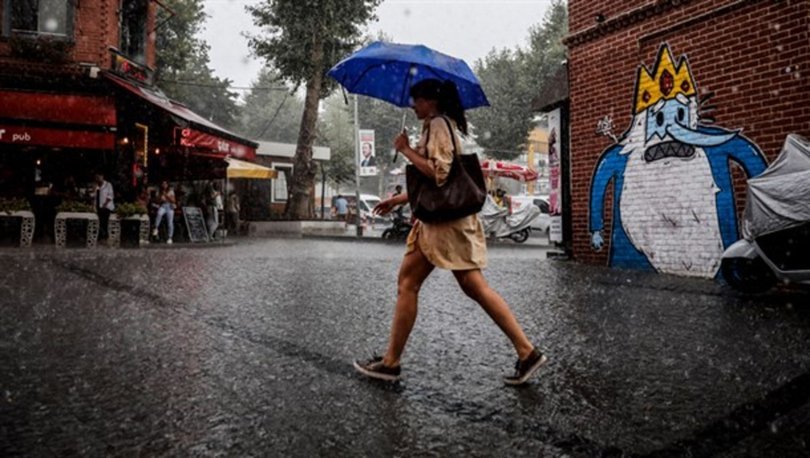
{"type": "Point", "coordinates": [508, 170]}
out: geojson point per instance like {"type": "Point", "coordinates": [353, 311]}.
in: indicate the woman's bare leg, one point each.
{"type": "Point", "coordinates": [414, 270]}
{"type": "Point", "coordinates": [475, 286]}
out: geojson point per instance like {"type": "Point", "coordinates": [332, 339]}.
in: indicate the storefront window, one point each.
{"type": "Point", "coordinates": [280, 183]}
{"type": "Point", "coordinates": [133, 29]}
{"type": "Point", "coordinates": [52, 17]}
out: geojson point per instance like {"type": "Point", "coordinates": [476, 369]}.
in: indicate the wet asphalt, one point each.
{"type": "Point", "coordinates": [246, 350]}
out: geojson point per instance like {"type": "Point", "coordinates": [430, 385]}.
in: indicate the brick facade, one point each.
{"type": "Point", "coordinates": [753, 55]}
{"type": "Point", "coordinates": [95, 29]}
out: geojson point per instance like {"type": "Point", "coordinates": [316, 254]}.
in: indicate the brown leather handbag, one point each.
{"type": "Point", "coordinates": [462, 194]}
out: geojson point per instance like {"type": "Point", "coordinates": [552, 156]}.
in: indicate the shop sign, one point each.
{"type": "Point", "coordinates": [195, 139]}
{"type": "Point", "coordinates": [131, 69]}
{"type": "Point", "coordinates": [58, 138]}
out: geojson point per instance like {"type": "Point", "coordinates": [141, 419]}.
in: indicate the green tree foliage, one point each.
{"type": "Point", "coordinates": [272, 110]}
{"type": "Point", "coordinates": [336, 130]}
{"type": "Point", "coordinates": [511, 79]}
{"type": "Point", "coordinates": [303, 39]}
{"type": "Point", "coordinates": [183, 71]}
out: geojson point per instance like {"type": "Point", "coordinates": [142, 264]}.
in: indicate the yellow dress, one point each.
{"type": "Point", "coordinates": [453, 245]}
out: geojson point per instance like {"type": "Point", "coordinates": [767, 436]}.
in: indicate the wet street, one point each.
{"type": "Point", "coordinates": [246, 350]}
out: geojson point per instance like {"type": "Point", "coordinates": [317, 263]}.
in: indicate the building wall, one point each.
{"type": "Point", "coordinates": [95, 30]}
{"type": "Point", "coordinates": [753, 56]}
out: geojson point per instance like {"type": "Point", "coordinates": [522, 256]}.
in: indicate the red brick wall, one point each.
{"type": "Point", "coordinates": [754, 55]}
{"type": "Point", "coordinates": [95, 29]}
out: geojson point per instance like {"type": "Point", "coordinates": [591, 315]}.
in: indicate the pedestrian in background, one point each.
{"type": "Point", "coordinates": [104, 205]}
{"type": "Point", "coordinates": [166, 201]}
{"type": "Point", "coordinates": [341, 208]}
{"type": "Point", "coordinates": [458, 245]}
{"type": "Point", "coordinates": [234, 209]}
{"type": "Point", "coordinates": [215, 207]}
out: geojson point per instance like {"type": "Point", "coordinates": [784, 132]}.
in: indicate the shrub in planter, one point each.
{"type": "Point", "coordinates": [10, 224]}
{"type": "Point", "coordinates": [7, 206]}
{"type": "Point", "coordinates": [72, 206]}
{"type": "Point", "coordinates": [130, 229]}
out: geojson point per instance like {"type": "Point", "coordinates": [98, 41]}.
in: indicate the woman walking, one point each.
{"type": "Point", "coordinates": [458, 245]}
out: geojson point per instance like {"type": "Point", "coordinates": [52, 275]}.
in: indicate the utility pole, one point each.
{"type": "Point", "coordinates": [357, 168]}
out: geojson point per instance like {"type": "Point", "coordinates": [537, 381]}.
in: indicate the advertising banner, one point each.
{"type": "Point", "coordinates": [555, 177]}
{"type": "Point", "coordinates": [368, 157]}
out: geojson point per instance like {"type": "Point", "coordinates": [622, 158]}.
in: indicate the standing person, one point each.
{"type": "Point", "coordinates": [233, 212]}
{"type": "Point", "coordinates": [167, 204]}
{"type": "Point", "coordinates": [214, 209]}
{"type": "Point", "coordinates": [104, 204]}
{"type": "Point", "coordinates": [457, 245]}
{"type": "Point", "coordinates": [341, 208]}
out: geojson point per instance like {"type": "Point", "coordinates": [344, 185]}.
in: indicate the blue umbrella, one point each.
{"type": "Point", "coordinates": [387, 71]}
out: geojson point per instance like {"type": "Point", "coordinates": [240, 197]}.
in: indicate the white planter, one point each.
{"type": "Point", "coordinates": [27, 226]}
{"type": "Point", "coordinates": [61, 232]}
{"type": "Point", "coordinates": [115, 229]}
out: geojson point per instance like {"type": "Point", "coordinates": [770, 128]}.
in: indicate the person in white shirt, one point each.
{"type": "Point", "coordinates": [214, 209]}
{"type": "Point", "coordinates": [104, 204]}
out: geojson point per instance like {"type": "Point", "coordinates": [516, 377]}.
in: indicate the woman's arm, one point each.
{"type": "Point", "coordinates": [385, 207]}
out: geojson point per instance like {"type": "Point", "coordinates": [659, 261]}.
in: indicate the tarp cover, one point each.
{"type": "Point", "coordinates": [779, 198]}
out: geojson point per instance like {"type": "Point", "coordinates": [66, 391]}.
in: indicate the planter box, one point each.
{"type": "Point", "coordinates": [88, 219]}
{"type": "Point", "coordinates": [295, 228]}
{"type": "Point", "coordinates": [18, 227]}
{"type": "Point", "coordinates": [130, 232]}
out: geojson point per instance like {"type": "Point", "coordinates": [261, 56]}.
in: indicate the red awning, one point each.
{"type": "Point", "coordinates": [200, 133]}
{"type": "Point", "coordinates": [30, 118]}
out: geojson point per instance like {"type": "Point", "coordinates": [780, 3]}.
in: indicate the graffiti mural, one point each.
{"type": "Point", "coordinates": [673, 195]}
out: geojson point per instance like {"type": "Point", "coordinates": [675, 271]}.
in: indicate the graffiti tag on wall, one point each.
{"type": "Point", "coordinates": [673, 193]}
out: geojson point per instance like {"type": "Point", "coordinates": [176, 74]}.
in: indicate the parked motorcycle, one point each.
{"type": "Point", "coordinates": [399, 230]}
{"type": "Point", "coordinates": [776, 225]}
{"type": "Point", "coordinates": [500, 224]}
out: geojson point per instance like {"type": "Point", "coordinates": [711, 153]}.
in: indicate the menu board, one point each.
{"type": "Point", "coordinates": [195, 223]}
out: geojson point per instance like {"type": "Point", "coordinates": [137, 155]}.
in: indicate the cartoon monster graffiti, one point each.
{"type": "Point", "coordinates": [673, 195]}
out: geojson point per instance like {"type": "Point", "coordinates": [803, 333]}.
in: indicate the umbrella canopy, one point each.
{"type": "Point", "coordinates": [387, 71]}
{"type": "Point", "coordinates": [243, 169]}
{"type": "Point", "coordinates": [508, 170]}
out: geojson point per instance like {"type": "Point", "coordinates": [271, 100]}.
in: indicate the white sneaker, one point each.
{"type": "Point", "coordinates": [169, 242]}
{"type": "Point", "coordinates": [154, 233]}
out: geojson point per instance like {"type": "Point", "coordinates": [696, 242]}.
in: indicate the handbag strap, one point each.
{"type": "Point", "coordinates": [452, 136]}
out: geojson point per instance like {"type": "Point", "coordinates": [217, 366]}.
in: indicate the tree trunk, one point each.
{"type": "Point", "coordinates": [302, 186]}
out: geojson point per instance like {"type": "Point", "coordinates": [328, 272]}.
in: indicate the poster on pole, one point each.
{"type": "Point", "coordinates": [368, 157]}
{"type": "Point", "coordinates": [555, 188]}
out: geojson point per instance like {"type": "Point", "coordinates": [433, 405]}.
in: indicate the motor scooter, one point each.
{"type": "Point", "coordinates": [776, 225]}
{"type": "Point", "coordinates": [399, 230]}
{"type": "Point", "coordinates": [499, 223]}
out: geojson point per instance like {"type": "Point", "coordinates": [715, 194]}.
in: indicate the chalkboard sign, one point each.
{"type": "Point", "coordinates": [195, 222]}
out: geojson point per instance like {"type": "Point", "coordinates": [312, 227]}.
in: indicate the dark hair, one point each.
{"type": "Point", "coordinates": [446, 94]}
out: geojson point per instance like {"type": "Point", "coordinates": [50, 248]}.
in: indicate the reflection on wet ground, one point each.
{"type": "Point", "coordinates": [246, 349]}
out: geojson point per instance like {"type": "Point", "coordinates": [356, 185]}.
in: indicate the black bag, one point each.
{"type": "Point", "coordinates": [462, 194]}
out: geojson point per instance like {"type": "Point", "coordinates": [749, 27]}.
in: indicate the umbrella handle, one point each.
{"type": "Point", "coordinates": [401, 128]}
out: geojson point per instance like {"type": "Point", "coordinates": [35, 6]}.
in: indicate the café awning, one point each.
{"type": "Point", "coordinates": [194, 130]}
{"type": "Point", "coordinates": [33, 118]}
{"type": "Point", "coordinates": [244, 169]}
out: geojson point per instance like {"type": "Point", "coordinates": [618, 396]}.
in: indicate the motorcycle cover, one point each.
{"type": "Point", "coordinates": [497, 220]}
{"type": "Point", "coordinates": [779, 198]}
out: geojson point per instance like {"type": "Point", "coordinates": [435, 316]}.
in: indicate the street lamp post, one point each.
{"type": "Point", "coordinates": [357, 168]}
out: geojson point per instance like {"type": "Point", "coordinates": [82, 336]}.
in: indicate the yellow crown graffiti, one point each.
{"type": "Point", "coordinates": [665, 82]}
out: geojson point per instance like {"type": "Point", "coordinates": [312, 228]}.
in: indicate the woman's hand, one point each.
{"type": "Point", "coordinates": [385, 207]}
{"type": "Point", "coordinates": [401, 142]}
